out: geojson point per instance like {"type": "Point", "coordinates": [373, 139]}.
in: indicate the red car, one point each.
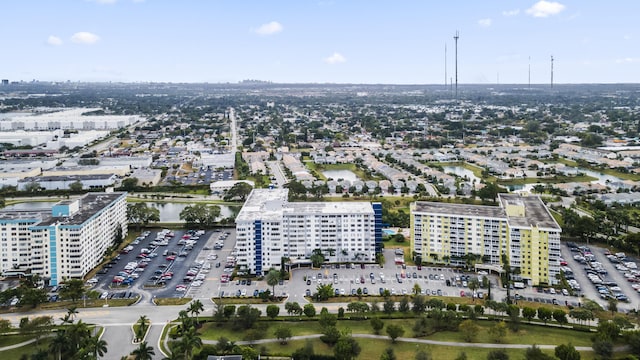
{"type": "Point", "coordinates": [171, 257]}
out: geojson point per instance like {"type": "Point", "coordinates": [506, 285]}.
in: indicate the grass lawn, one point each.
{"type": "Point", "coordinates": [172, 301]}
{"type": "Point", "coordinates": [547, 180]}
{"type": "Point", "coordinates": [89, 303]}
{"type": "Point", "coordinates": [24, 350]}
{"type": "Point", "coordinates": [14, 339]}
{"type": "Point", "coordinates": [372, 348]}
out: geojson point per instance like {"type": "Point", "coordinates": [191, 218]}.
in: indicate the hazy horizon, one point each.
{"type": "Point", "coordinates": [323, 42]}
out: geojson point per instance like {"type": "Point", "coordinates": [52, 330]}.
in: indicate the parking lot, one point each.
{"type": "Point", "coordinates": [164, 263]}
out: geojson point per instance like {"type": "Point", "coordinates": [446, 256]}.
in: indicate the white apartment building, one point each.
{"type": "Point", "coordinates": [270, 228]}
{"type": "Point", "coordinates": [67, 242]}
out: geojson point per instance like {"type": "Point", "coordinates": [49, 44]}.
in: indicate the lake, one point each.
{"type": "Point", "coordinates": [169, 212]}
{"type": "Point", "coordinates": [461, 172]}
{"type": "Point", "coordinates": [340, 174]}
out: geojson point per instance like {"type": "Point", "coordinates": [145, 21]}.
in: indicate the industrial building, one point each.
{"type": "Point", "coordinates": [66, 242]}
{"type": "Point", "coordinates": [270, 228]}
{"type": "Point", "coordinates": [522, 228]}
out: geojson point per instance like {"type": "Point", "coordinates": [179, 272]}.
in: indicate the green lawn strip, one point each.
{"type": "Point", "coordinates": [163, 345]}
{"type": "Point", "coordinates": [547, 180]}
{"type": "Point", "coordinates": [89, 304]}
{"type": "Point", "coordinates": [172, 301]}
{"type": "Point", "coordinates": [7, 340]}
{"type": "Point", "coordinates": [30, 349]}
{"type": "Point", "coordinates": [372, 348]}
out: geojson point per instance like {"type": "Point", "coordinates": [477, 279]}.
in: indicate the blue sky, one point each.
{"type": "Point", "coordinates": [357, 41]}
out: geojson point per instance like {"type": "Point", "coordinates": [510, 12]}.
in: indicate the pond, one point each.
{"type": "Point", "coordinates": [461, 172]}
{"type": "Point", "coordinates": [340, 174]}
{"type": "Point", "coordinates": [169, 212]}
{"type": "Point", "coordinates": [602, 178]}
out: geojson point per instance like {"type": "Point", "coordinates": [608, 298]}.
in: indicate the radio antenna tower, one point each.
{"type": "Point", "coordinates": [456, 37]}
{"type": "Point", "coordinates": [445, 66]}
{"type": "Point", "coordinates": [552, 71]}
{"type": "Point", "coordinates": [529, 72]}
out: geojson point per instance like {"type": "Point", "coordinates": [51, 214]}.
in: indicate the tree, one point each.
{"type": "Point", "coordinates": [196, 307]}
{"type": "Point", "coordinates": [567, 352]}
{"type": "Point", "coordinates": [246, 316]}
{"type": "Point", "coordinates": [528, 313]}
{"type": "Point", "coordinates": [499, 354]}
{"type": "Point", "coordinates": [32, 187]}
{"type": "Point", "coordinates": [535, 353]}
{"type": "Point", "coordinates": [560, 316]}
{"type": "Point", "coordinates": [141, 214]}
{"type": "Point", "coordinates": [613, 305]}
{"type": "Point", "coordinates": [474, 284]}
{"type": "Point", "coordinates": [327, 319]}
{"type": "Point", "coordinates": [189, 341]}
{"type": "Point", "coordinates": [416, 289]}
{"type": "Point", "coordinates": [403, 307]}
{"type": "Point", "coordinates": [76, 186]}
{"type": "Point", "coordinates": [283, 333]}
{"type": "Point", "coordinates": [330, 335]}
{"type": "Point", "coordinates": [72, 289]}
{"type": "Point", "coordinates": [142, 327]}
{"type": "Point", "coordinates": [309, 310]}
{"type": "Point", "coordinates": [347, 348]}
{"type": "Point", "coordinates": [498, 331]}
{"type": "Point", "coordinates": [239, 190]}
{"type": "Point", "coordinates": [5, 326]}
{"type": "Point", "coordinates": [376, 325]}
{"type": "Point", "coordinates": [544, 314]}
{"type": "Point", "coordinates": [394, 331]}
{"type": "Point", "coordinates": [273, 278]}
{"type": "Point", "coordinates": [129, 184]}
{"type": "Point", "coordinates": [419, 304]}
{"type": "Point", "coordinates": [273, 311]}
{"type": "Point", "coordinates": [469, 329]}
{"type": "Point", "coordinates": [143, 352]}
{"type": "Point", "coordinates": [96, 346]}
{"type": "Point", "coordinates": [603, 348]}
{"type": "Point", "coordinates": [200, 215]}
{"type": "Point", "coordinates": [59, 344]}
{"type": "Point", "coordinates": [324, 292]}
{"type": "Point", "coordinates": [317, 258]}
{"type": "Point", "coordinates": [389, 306]}
{"type": "Point", "coordinates": [388, 354]}
{"type": "Point", "coordinates": [293, 308]}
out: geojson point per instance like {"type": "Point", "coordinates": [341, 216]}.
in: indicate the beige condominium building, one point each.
{"type": "Point", "coordinates": [521, 228]}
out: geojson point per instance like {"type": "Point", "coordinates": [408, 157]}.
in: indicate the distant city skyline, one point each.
{"type": "Point", "coordinates": [324, 41]}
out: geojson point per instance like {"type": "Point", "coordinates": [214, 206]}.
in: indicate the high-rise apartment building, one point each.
{"type": "Point", "coordinates": [521, 228]}
{"type": "Point", "coordinates": [270, 228]}
{"type": "Point", "coordinates": [66, 242]}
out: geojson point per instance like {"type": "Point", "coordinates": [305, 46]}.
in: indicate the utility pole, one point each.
{"type": "Point", "coordinates": [552, 71]}
{"type": "Point", "coordinates": [456, 37]}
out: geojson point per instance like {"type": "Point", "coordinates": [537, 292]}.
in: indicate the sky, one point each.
{"type": "Point", "coordinates": [322, 41]}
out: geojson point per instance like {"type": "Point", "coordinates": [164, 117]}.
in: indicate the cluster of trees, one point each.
{"type": "Point", "coordinates": [200, 215]}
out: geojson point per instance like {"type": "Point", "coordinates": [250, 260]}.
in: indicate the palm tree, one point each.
{"type": "Point", "coordinates": [72, 311]}
{"type": "Point", "coordinates": [142, 328]}
{"type": "Point", "coordinates": [186, 321]}
{"type": "Point", "coordinates": [273, 277]}
{"type": "Point", "coordinates": [188, 342]}
{"type": "Point", "coordinates": [76, 333]}
{"type": "Point", "coordinates": [143, 352]}
{"type": "Point", "coordinates": [196, 307]}
{"type": "Point", "coordinates": [59, 343]}
{"type": "Point", "coordinates": [174, 355]}
{"type": "Point", "coordinates": [96, 346]}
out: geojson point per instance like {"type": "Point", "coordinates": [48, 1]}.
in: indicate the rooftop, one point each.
{"type": "Point", "coordinates": [535, 211]}
{"type": "Point", "coordinates": [460, 209]}
{"type": "Point", "coordinates": [90, 204]}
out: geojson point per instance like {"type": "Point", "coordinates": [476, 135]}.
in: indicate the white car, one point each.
{"type": "Point", "coordinates": [196, 283]}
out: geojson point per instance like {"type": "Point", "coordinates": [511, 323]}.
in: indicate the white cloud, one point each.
{"type": "Point", "coordinates": [484, 22]}
{"type": "Point", "coordinates": [335, 58]}
{"type": "Point", "coordinates": [627, 37]}
{"type": "Point", "coordinates": [511, 12]}
{"type": "Point", "coordinates": [627, 60]}
{"type": "Point", "coordinates": [545, 8]}
{"type": "Point", "coordinates": [84, 37]}
{"type": "Point", "coordinates": [270, 28]}
{"type": "Point", "coordinates": [54, 40]}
